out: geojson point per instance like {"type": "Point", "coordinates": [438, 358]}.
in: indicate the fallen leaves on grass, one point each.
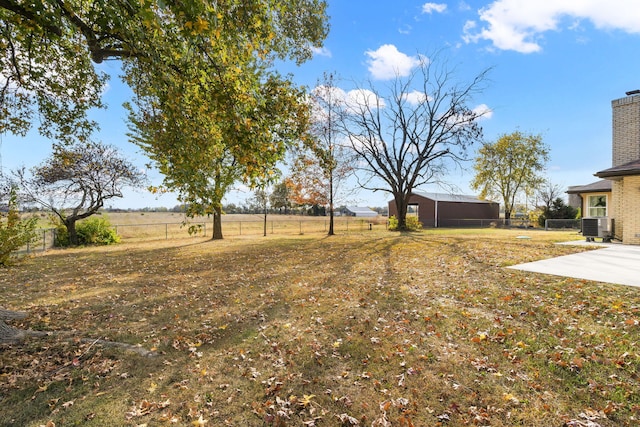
{"type": "Point", "coordinates": [357, 330]}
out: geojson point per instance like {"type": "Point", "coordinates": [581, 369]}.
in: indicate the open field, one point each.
{"type": "Point", "coordinates": [171, 225]}
{"type": "Point", "coordinates": [365, 328]}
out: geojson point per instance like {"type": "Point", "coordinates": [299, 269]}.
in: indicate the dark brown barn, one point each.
{"type": "Point", "coordinates": [449, 210]}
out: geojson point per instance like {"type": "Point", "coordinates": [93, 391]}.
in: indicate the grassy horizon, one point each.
{"type": "Point", "coordinates": [372, 328]}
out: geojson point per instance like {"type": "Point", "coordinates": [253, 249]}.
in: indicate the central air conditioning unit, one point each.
{"type": "Point", "coordinates": [598, 227]}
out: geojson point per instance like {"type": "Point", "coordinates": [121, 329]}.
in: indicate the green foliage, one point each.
{"type": "Point", "coordinates": [54, 78]}
{"type": "Point", "coordinates": [558, 210]}
{"type": "Point", "coordinates": [14, 231]}
{"type": "Point", "coordinates": [91, 231]}
{"type": "Point", "coordinates": [511, 165]}
{"type": "Point", "coordinates": [411, 224]}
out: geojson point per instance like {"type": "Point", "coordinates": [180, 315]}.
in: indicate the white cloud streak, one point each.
{"type": "Point", "coordinates": [434, 7]}
{"type": "Point", "coordinates": [415, 97]}
{"type": "Point", "coordinates": [483, 111]}
{"type": "Point", "coordinates": [321, 51]}
{"type": "Point", "coordinates": [518, 25]}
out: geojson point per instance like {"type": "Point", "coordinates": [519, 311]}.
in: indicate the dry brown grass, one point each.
{"type": "Point", "coordinates": [158, 225]}
{"type": "Point", "coordinates": [376, 328]}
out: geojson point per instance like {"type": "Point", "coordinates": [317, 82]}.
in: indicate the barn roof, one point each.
{"type": "Point", "coordinates": [360, 209]}
{"type": "Point", "coordinates": [446, 197]}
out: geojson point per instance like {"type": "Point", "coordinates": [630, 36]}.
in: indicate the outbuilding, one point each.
{"type": "Point", "coordinates": [449, 210]}
{"type": "Point", "coordinates": [358, 211]}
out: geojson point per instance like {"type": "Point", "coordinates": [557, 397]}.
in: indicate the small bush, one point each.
{"type": "Point", "coordinates": [411, 222]}
{"type": "Point", "coordinates": [91, 231]}
{"type": "Point", "coordinates": [96, 231]}
{"type": "Point", "coordinates": [14, 231]}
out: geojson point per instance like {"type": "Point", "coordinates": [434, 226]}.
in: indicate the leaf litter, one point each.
{"type": "Point", "coordinates": [378, 329]}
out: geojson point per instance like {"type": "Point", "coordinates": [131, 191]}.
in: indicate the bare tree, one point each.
{"type": "Point", "coordinates": [334, 158]}
{"type": "Point", "coordinates": [75, 181]}
{"type": "Point", "coordinates": [547, 193]}
{"type": "Point", "coordinates": [405, 137]}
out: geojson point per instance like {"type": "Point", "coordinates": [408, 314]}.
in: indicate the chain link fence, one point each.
{"type": "Point", "coordinates": [157, 231]}
{"type": "Point", "coordinates": [304, 225]}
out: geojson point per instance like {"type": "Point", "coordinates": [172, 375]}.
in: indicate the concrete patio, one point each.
{"type": "Point", "coordinates": [610, 263]}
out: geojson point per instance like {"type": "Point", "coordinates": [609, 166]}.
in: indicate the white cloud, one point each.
{"type": "Point", "coordinates": [463, 7]}
{"type": "Point", "coordinates": [405, 29]}
{"type": "Point", "coordinates": [517, 25]}
{"type": "Point", "coordinates": [321, 51]}
{"type": "Point", "coordinates": [388, 62]}
{"type": "Point", "coordinates": [434, 7]}
{"type": "Point", "coordinates": [355, 101]}
{"type": "Point", "coordinates": [483, 111]}
{"type": "Point", "coordinates": [359, 100]}
{"type": "Point", "coordinates": [415, 98]}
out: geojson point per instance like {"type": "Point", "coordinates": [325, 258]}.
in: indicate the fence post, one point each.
{"type": "Point", "coordinates": [205, 229]}
{"type": "Point", "coordinates": [44, 240]}
{"type": "Point", "coordinates": [546, 225]}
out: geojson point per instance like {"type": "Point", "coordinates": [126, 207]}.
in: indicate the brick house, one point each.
{"type": "Point", "coordinates": [622, 204]}
{"type": "Point", "coordinates": [592, 199]}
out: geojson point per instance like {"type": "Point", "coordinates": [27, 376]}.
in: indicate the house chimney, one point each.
{"type": "Point", "coordinates": [626, 128]}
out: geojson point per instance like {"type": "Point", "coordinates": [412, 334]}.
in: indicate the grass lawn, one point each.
{"type": "Point", "coordinates": [371, 329]}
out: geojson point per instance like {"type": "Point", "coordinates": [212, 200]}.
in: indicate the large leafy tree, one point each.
{"type": "Point", "coordinates": [219, 114]}
{"type": "Point", "coordinates": [511, 165]}
{"type": "Point", "coordinates": [404, 136]}
{"type": "Point", "coordinates": [201, 67]}
{"type": "Point", "coordinates": [76, 181]}
{"type": "Point", "coordinates": [46, 75]}
{"type": "Point", "coordinates": [48, 49]}
{"type": "Point", "coordinates": [213, 140]}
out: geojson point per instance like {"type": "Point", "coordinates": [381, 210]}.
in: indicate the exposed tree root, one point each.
{"type": "Point", "coordinates": [12, 335]}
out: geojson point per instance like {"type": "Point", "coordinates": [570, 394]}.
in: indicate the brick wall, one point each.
{"type": "Point", "coordinates": [625, 206]}
{"type": "Point", "coordinates": [626, 130]}
{"type": "Point", "coordinates": [631, 213]}
{"type": "Point", "coordinates": [616, 208]}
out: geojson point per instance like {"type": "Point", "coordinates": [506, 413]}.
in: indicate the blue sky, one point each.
{"type": "Point", "coordinates": [556, 66]}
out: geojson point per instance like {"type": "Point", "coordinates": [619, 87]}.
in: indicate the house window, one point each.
{"type": "Point", "coordinates": [597, 206]}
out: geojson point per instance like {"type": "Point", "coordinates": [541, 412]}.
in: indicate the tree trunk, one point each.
{"type": "Point", "coordinates": [70, 224]}
{"type": "Point", "coordinates": [217, 223]}
{"type": "Point", "coordinates": [507, 217]}
{"type": "Point", "coordinates": [401, 207]}
{"type": "Point", "coordinates": [264, 228]}
{"type": "Point", "coordinates": [331, 232]}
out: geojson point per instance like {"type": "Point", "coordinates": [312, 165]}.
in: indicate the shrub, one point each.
{"type": "Point", "coordinates": [91, 231]}
{"type": "Point", "coordinates": [14, 231]}
{"type": "Point", "coordinates": [557, 210]}
{"type": "Point", "coordinates": [411, 223]}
